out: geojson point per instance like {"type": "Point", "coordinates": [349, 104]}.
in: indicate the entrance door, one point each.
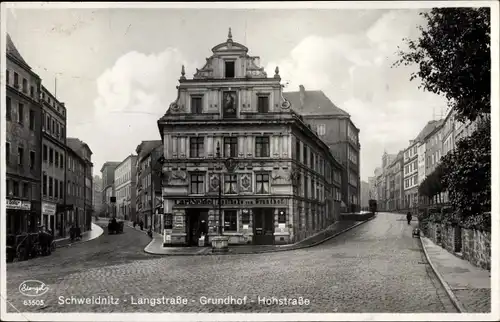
{"type": "Point", "coordinates": [194, 219]}
{"type": "Point", "coordinates": [263, 228]}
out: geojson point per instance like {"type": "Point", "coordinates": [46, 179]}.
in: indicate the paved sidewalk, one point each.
{"type": "Point", "coordinates": [156, 245]}
{"type": "Point", "coordinates": [468, 286]}
{"type": "Point", "coordinates": [86, 236]}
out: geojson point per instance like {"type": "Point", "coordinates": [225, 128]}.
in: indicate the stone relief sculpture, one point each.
{"type": "Point", "coordinates": [214, 183]}
{"type": "Point", "coordinates": [253, 69]}
{"type": "Point", "coordinates": [280, 177]}
{"type": "Point", "coordinates": [206, 71]}
{"type": "Point", "coordinates": [177, 176]}
{"type": "Point", "coordinates": [246, 182]}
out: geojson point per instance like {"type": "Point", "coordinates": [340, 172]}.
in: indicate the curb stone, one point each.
{"type": "Point", "coordinates": [446, 287]}
{"type": "Point", "coordinates": [80, 241]}
{"type": "Point", "coordinates": [280, 249]}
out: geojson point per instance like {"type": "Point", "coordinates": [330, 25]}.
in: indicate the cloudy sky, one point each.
{"type": "Point", "coordinates": [117, 69]}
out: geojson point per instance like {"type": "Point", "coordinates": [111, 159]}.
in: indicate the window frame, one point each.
{"type": "Point", "coordinates": [262, 181]}
{"type": "Point", "coordinates": [263, 108]}
{"type": "Point", "coordinates": [226, 62]}
{"type": "Point", "coordinates": [194, 145]}
{"type": "Point", "coordinates": [230, 179]}
{"type": "Point", "coordinates": [202, 183]}
{"type": "Point", "coordinates": [262, 142]}
{"type": "Point", "coordinates": [199, 109]}
{"type": "Point", "coordinates": [230, 141]}
{"type": "Point", "coordinates": [233, 225]}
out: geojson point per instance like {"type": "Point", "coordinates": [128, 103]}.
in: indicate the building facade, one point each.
{"type": "Point", "coordinates": [395, 174]}
{"type": "Point", "coordinates": [433, 143]}
{"type": "Point", "coordinates": [23, 147]}
{"type": "Point", "coordinates": [53, 163]}
{"type": "Point", "coordinates": [125, 180]}
{"type": "Point", "coordinates": [410, 175]}
{"type": "Point", "coordinates": [97, 196]}
{"type": "Point", "coordinates": [148, 188]}
{"type": "Point", "coordinates": [365, 195]}
{"type": "Point", "coordinates": [79, 184]}
{"type": "Point", "coordinates": [108, 187]}
{"type": "Point", "coordinates": [240, 160]}
{"type": "Point", "coordinates": [337, 130]}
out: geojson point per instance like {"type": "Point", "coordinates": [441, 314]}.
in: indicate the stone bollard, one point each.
{"type": "Point", "coordinates": [220, 244]}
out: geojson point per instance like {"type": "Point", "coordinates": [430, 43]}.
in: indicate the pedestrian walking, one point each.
{"type": "Point", "coordinates": [408, 217]}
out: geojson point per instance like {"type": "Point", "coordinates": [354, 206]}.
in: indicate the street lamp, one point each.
{"type": "Point", "coordinates": [220, 244]}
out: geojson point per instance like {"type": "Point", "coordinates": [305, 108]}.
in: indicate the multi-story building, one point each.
{"type": "Point", "coordinates": [53, 163]}
{"type": "Point", "coordinates": [412, 178]}
{"type": "Point", "coordinates": [365, 194]}
{"type": "Point", "coordinates": [410, 175]}
{"type": "Point", "coordinates": [79, 184]}
{"type": "Point", "coordinates": [372, 193]}
{"type": "Point", "coordinates": [97, 195]}
{"type": "Point", "coordinates": [23, 147]}
{"type": "Point", "coordinates": [231, 136]}
{"type": "Point", "coordinates": [337, 130]}
{"type": "Point", "coordinates": [395, 172]}
{"type": "Point", "coordinates": [108, 187]}
{"type": "Point", "coordinates": [433, 143]}
{"type": "Point", "coordinates": [148, 195]}
{"type": "Point", "coordinates": [125, 180]}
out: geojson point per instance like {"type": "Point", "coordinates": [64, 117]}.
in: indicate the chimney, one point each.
{"type": "Point", "coordinates": [302, 96]}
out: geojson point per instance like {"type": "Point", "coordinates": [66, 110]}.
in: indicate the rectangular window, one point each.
{"type": "Point", "coordinates": [229, 70]}
{"type": "Point", "coordinates": [304, 153]}
{"type": "Point", "coordinates": [53, 126]}
{"type": "Point", "coordinates": [297, 150]}
{"type": "Point", "coordinates": [263, 104]}
{"type": "Point", "coordinates": [48, 123]}
{"type": "Point", "coordinates": [32, 159]}
{"type": "Point", "coordinates": [196, 148]}
{"type": "Point", "coordinates": [7, 77]}
{"type": "Point", "coordinates": [321, 129]}
{"type": "Point", "coordinates": [245, 217]}
{"type": "Point", "coordinates": [262, 183]}
{"type": "Point", "coordinates": [196, 105]}
{"type": "Point", "coordinates": [281, 216]}
{"type": "Point", "coordinates": [20, 156]}
{"type": "Point", "coordinates": [56, 159]}
{"type": "Point", "coordinates": [26, 190]}
{"type": "Point", "coordinates": [32, 91]}
{"type": "Point", "coordinates": [51, 187]}
{"type": "Point", "coordinates": [262, 146]}
{"type": "Point", "coordinates": [312, 160]}
{"type": "Point", "coordinates": [56, 188]}
{"type": "Point", "coordinates": [16, 79]}
{"type": "Point", "coordinates": [25, 86]}
{"type": "Point", "coordinates": [51, 155]}
{"type": "Point", "coordinates": [61, 161]}
{"type": "Point", "coordinates": [7, 152]}
{"type": "Point", "coordinates": [44, 153]}
{"type": "Point", "coordinates": [15, 189]}
{"type": "Point", "coordinates": [20, 113]}
{"type": "Point", "coordinates": [231, 147]}
{"type": "Point", "coordinates": [44, 185]}
{"type": "Point", "coordinates": [230, 184]}
{"type": "Point", "coordinates": [63, 135]}
{"type": "Point", "coordinates": [197, 183]}
{"type": "Point", "coordinates": [32, 120]}
{"type": "Point", "coordinates": [8, 112]}
{"type": "Point", "coordinates": [230, 220]}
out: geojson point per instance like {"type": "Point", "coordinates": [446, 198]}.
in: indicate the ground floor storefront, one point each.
{"type": "Point", "coordinates": [244, 219]}
{"type": "Point", "coordinates": [20, 217]}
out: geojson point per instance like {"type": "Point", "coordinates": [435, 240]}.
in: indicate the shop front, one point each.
{"type": "Point", "coordinates": [245, 219]}
{"type": "Point", "coordinates": [20, 219]}
{"type": "Point", "coordinates": [49, 215]}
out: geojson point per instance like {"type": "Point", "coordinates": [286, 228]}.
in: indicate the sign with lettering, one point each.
{"type": "Point", "coordinates": [48, 208]}
{"type": "Point", "coordinates": [18, 204]}
{"type": "Point", "coordinates": [232, 201]}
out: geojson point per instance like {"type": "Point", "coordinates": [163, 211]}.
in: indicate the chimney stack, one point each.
{"type": "Point", "coordinates": [302, 96]}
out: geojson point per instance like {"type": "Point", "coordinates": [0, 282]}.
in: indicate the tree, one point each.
{"type": "Point", "coordinates": [453, 58]}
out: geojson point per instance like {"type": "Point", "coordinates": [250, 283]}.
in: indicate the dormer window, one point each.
{"type": "Point", "coordinates": [229, 69]}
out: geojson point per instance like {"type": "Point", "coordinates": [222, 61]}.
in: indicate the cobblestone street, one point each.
{"type": "Point", "coordinates": [376, 267]}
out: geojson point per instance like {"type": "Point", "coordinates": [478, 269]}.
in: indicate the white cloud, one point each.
{"type": "Point", "coordinates": [354, 71]}
{"type": "Point", "coordinates": [132, 96]}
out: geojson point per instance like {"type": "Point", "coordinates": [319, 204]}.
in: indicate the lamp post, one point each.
{"type": "Point", "coordinates": [220, 243]}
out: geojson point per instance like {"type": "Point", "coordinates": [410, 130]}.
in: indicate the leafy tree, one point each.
{"type": "Point", "coordinates": [453, 58]}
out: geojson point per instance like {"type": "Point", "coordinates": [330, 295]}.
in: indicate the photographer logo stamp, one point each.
{"type": "Point", "coordinates": [33, 288]}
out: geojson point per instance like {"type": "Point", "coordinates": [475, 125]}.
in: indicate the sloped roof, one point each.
{"type": "Point", "coordinates": [111, 164]}
{"type": "Point", "coordinates": [428, 128]}
{"type": "Point", "coordinates": [76, 145]}
{"type": "Point", "coordinates": [146, 147]}
{"type": "Point", "coordinates": [13, 52]}
{"type": "Point", "coordinates": [315, 103]}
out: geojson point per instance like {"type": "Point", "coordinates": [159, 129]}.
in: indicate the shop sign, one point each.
{"type": "Point", "coordinates": [48, 208]}
{"type": "Point", "coordinates": [246, 201]}
{"type": "Point", "coordinates": [18, 204]}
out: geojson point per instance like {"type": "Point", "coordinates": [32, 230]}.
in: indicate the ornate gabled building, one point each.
{"type": "Point", "coordinates": [240, 161]}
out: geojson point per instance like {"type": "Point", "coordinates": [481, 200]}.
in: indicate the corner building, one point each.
{"type": "Point", "coordinates": [285, 184]}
